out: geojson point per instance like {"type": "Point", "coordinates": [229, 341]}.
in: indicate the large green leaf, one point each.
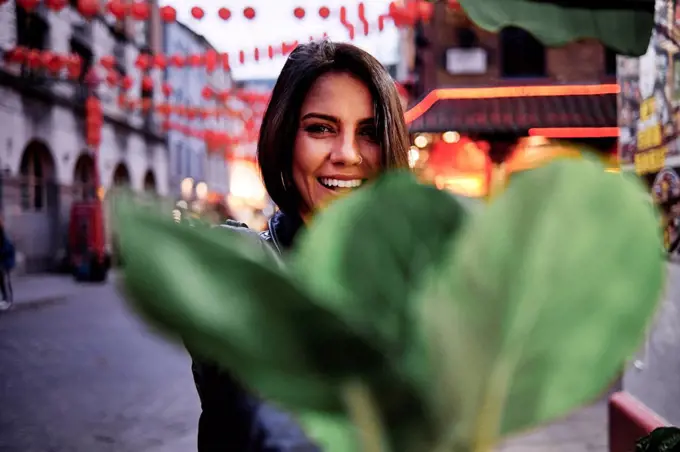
{"type": "Point", "coordinates": [625, 30]}
{"type": "Point", "coordinates": [366, 254]}
{"type": "Point", "coordinates": [364, 257]}
{"type": "Point", "coordinates": [545, 296]}
{"type": "Point", "coordinates": [222, 294]}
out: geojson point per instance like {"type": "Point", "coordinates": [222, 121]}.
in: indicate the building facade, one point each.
{"type": "Point", "coordinates": [45, 161]}
{"type": "Point", "coordinates": [452, 52]}
{"type": "Point", "coordinates": [189, 155]}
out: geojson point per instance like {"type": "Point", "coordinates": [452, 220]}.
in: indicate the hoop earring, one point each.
{"type": "Point", "coordinates": [361, 160]}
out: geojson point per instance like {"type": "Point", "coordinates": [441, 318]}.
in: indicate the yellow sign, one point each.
{"type": "Point", "coordinates": [651, 161]}
{"type": "Point", "coordinates": [649, 138]}
{"type": "Point", "coordinates": [647, 108]}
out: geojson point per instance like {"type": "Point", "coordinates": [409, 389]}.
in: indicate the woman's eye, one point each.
{"type": "Point", "coordinates": [370, 133]}
{"type": "Point", "coordinates": [318, 129]}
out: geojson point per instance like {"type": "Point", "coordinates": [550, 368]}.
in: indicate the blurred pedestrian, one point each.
{"type": "Point", "coordinates": [334, 121]}
{"type": "Point", "coordinates": [7, 263]}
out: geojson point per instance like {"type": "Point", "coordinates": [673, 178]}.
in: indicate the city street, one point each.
{"type": "Point", "coordinates": [79, 373]}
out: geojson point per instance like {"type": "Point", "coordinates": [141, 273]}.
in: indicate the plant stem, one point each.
{"type": "Point", "coordinates": [365, 416]}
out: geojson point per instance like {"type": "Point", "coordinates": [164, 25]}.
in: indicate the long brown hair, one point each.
{"type": "Point", "coordinates": [281, 120]}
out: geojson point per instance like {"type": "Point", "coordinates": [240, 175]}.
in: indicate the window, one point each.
{"type": "Point", "coordinates": [609, 61]}
{"type": "Point", "coordinates": [33, 180]}
{"type": "Point", "coordinates": [32, 29]}
{"type": "Point", "coordinates": [522, 55]}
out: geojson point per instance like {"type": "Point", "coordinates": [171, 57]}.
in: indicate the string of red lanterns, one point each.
{"type": "Point", "coordinates": [402, 15]}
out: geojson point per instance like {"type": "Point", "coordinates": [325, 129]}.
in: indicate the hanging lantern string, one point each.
{"type": "Point", "coordinates": [406, 14]}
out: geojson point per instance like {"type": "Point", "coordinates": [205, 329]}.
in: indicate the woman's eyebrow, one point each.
{"type": "Point", "coordinates": [367, 121]}
{"type": "Point", "coordinates": [325, 117]}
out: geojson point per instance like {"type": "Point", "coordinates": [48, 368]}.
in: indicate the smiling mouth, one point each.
{"type": "Point", "coordinates": [339, 184]}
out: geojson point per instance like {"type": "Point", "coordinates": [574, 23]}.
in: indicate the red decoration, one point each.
{"type": "Point", "coordinates": [210, 61]}
{"type": "Point", "coordinates": [143, 61]}
{"type": "Point", "coordinates": [117, 8]}
{"type": "Point", "coordinates": [195, 60]}
{"type": "Point", "coordinates": [112, 78]}
{"type": "Point", "coordinates": [345, 22]}
{"type": "Point", "coordinates": [249, 13]}
{"type": "Point", "coordinates": [324, 12]}
{"type": "Point", "coordinates": [168, 14]}
{"type": "Point", "coordinates": [159, 61]}
{"type": "Point", "coordinates": [241, 56]}
{"type": "Point", "coordinates": [88, 8]}
{"type": "Point", "coordinates": [362, 17]}
{"type": "Point", "coordinates": [108, 62]}
{"type": "Point", "coordinates": [140, 10]}
{"type": "Point", "coordinates": [224, 13]}
{"type": "Point", "coordinates": [167, 89]}
{"type": "Point", "coordinates": [74, 66]}
{"type": "Point", "coordinates": [197, 12]}
{"type": "Point", "coordinates": [299, 12]}
{"type": "Point", "coordinates": [33, 59]}
{"type": "Point", "coordinates": [147, 83]}
{"type": "Point", "coordinates": [177, 60]}
{"type": "Point", "coordinates": [54, 5]}
{"type": "Point", "coordinates": [28, 5]}
{"type": "Point", "coordinates": [270, 52]}
{"type": "Point", "coordinates": [225, 61]}
{"type": "Point", "coordinates": [207, 93]}
{"type": "Point", "coordinates": [126, 83]}
{"type": "Point", "coordinates": [55, 64]}
{"type": "Point", "coordinates": [256, 54]}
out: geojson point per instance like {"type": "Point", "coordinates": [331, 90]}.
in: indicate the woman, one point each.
{"type": "Point", "coordinates": [334, 121]}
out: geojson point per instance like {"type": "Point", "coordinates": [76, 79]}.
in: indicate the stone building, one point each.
{"type": "Point", "coordinates": [46, 164]}
{"type": "Point", "coordinates": [190, 156]}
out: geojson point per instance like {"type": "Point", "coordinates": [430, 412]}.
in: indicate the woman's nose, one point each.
{"type": "Point", "coordinates": [346, 151]}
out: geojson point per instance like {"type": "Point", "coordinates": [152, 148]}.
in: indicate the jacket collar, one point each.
{"type": "Point", "coordinates": [283, 228]}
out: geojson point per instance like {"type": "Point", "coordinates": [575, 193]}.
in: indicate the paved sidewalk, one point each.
{"type": "Point", "coordinates": [32, 290]}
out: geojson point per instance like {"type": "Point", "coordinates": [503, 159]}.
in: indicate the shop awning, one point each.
{"type": "Point", "coordinates": [515, 115]}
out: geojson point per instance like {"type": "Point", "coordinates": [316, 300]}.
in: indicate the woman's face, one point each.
{"type": "Point", "coordinates": [336, 148]}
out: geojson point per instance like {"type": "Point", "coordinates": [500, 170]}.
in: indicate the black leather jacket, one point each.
{"type": "Point", "coordinates": [232, 419]}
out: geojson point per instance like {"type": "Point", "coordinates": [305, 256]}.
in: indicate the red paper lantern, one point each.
{"type": "Point", "coordinates": [256, 54]}
{"type": "Point", "coordinates": [207, 93]}
{"type": "Point", "coordinates": [140, 11]}
{"type": "Point", "coordinates": [159, 61]}
{"type": "Point", "coordinates": [197, 12]}
{"type": "Point", "coordinates": [117, 8]}
{"type": "Point", "coordinates": [74, 66]}
{"type": "Point", "coordinates": [112, 78]}
{"type": "Point", "coordinates": [195, 60]}
{"type": "Point", "coordinates": [224, 13]}
{"type": "Point", "coordinates": [225, 61]}
{"type": "Point", "coordinates": [88, 8]}
{"type": "Point", "coordinates": [249, 13]}
{"type": "Point", "coordinates": [299, 12]}
{"type": "Point", "coordinates": [126, 82]}
{"type": "Point", "coordinates": [28, 5]}
{"type": "Point", "coordinates": [33, 59]}
{"type": "Point", "coordinates": [55, 64]}
{"type": "Point", "coordinates": [177, 60]}
{"type": "Point", "coordinates": [324, 12]}
{"type": "Point", "coordinates": [168, 14]}
{"type": "Point", "coordinates": [54, 5]}
{"type": "Point", "coordinates": [143, 61]}
{"type": "Point", "coordinates": [167, 89]}
{"type": "Point", "coordinates": [147, 83]}
{"type": "Point", "coordinates": [270, 52]}
{"type": "Point", "coordinates": [210, 60]}
{"type": "Point", "coordinates": [108, 62]}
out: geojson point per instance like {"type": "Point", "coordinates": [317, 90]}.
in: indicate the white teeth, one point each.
{"type": "Point", "coordinates": [329, 182]}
